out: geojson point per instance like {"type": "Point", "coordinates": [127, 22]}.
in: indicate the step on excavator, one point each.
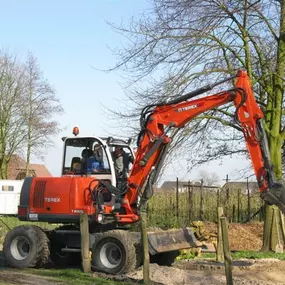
{"type": "Point", "coordinates": [113, 201]}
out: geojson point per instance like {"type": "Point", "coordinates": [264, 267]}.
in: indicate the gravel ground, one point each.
{"type": "Point", "coordinates": [253, 272]}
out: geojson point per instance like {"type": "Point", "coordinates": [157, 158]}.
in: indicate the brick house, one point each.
{"type": "Point", "coordinates": [17, 165]}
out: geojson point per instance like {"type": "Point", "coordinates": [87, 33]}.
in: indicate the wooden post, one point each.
{"type": "Point", "coordinates": [201, 201]}
{"type": "Point", "coordinates": [234, 213]}
{"type": "Point", "coordinates": [227, 253]}
{"type": "Point", "coordinates": [218, 198]}
{"type": "Point", "coordinates": [190, 202]}
{"type": "Point", "coordinates": [248, 200]}
{"type": "Point", "coordinates": [84, 231]}
{"type": "Point", "coordinates": [177, 199]}
{"type": "Point", "coordinates": [227, 196]}
{"type": "Point", "coordinates": [238, 209]}
{"type": "Point", "coordinates": [276, 246]}
{"type": "Point", "coordinates": [220, 253]}
{"type": "Point", "coordinates": [281, 217]}
{"type": "Point", "coordinates": [143, 222]}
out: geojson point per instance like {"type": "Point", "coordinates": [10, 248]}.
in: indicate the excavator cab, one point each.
{"type": "Point", "coordinates": [93, 157]}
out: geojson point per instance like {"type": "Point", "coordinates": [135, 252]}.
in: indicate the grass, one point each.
{"type": "Point", "coordinates": [72, 277]}
{"type": "Point", "coordinates": [67, 277]}
{"type": "Point", "coordinates": [239, 255]}
{"type": "Point", "coordinates": [13, 222]}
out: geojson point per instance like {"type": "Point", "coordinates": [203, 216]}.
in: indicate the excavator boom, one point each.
{"type": "Point", "coordinates": [158, 121]}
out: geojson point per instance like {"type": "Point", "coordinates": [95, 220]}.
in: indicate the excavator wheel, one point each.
{"type": "Point", "coordinates": [164, 258]}
{"type": "Point", "coordinates": [115, 252]}
{"type": "Point", "coordinates": [26, 246]}
{"type": "Point", "coordinates": [60, 258]}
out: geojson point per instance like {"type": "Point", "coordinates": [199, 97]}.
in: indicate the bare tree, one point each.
{"type": "Point", "coordinates": [41, 105]}
{"type": "Point", "coordinates": [12, 127]}
{"type": "Point", "coordinates": [27, 106]}
{"type": "Point", "coordinates": [209, 179]}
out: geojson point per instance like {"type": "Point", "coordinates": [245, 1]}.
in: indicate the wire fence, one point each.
{"type": "Point", "coordinates": [180, 207]}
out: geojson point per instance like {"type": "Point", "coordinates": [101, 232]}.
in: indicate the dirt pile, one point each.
{"type": "Point", "coordinates": [242, 236]}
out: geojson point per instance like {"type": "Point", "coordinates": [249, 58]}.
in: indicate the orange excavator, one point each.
{"type": "Point", "coordinates": [113, 202]}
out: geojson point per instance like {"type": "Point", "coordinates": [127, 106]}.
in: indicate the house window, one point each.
{"type": "Point", "coordinates": [8, 188]}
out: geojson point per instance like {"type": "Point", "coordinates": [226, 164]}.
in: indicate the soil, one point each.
{"type": "Point", "coordinates": [241, 236]}
{"type": "Point", "coordinates": [201, 272]}
{"type": "Point", "coordinates": [11, 277]}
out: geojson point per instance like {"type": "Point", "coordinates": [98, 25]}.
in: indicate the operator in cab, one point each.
{"type": "Point", "coordinates": [95, 160]}
{"type": "Point", "coordinates": [122, 161]}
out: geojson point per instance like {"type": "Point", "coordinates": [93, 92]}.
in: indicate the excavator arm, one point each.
{"type": "Point", "coordinates": [160, 122]}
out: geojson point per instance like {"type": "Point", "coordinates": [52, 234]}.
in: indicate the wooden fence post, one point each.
{"type": "Point", "coordinates": [220, 254]}
{"type": "Point", "coordinates": [234, 213]}
{"type": "Point", "coordinates": [190, 202]}
{"type": "Point", "coordinates": [84, 231]}
{"type": "Point", "coordinates": [281, 217]}
{"type": "Point", "coordinates": [201, 214]}
{"type": "Point", "coordinates": [177, 199]}
{"type": "Point", "coordinates": [238, 209]}
{"type": "Point", "coordinates": [218, 198]}
{"type": "Point", "coordinates": [248, 200]}
{"type": "Point", "coordinates": [143, 222]}
{"type": "Point", "coordinates": [227, 253]}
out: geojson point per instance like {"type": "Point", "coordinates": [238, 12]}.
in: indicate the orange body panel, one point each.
{"type": "Point", "coordinates": [61, 195]}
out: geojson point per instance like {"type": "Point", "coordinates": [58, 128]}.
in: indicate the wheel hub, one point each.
{"type": "Point", "coordinates": [111, 255]}
{"type": "Point", "coordinates": [20, 248]}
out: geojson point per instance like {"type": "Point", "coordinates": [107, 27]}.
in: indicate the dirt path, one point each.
{"type": "Point", "coordinates": [11, 277]}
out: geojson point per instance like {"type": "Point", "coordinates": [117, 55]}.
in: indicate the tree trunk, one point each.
{"type": "Point", "coordinates": [4, 169]}
{"type": "Point", "coordinates": [275, 138]}
{"type": "Point", "coordinates": [272, 225]}
{"type": "Point", "coordinates": [28, 150]}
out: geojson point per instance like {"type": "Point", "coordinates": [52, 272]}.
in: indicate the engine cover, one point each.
{"type": "Point", "coordinates": [56, 199]}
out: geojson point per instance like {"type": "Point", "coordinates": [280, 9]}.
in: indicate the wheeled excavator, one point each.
{"type": "Point", "coordinates": [114, 203]}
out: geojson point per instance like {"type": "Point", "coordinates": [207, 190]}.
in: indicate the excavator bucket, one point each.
{"type": "Point", "coordinates": [163, 241]}
{"type": "Point", "coordinates": [275, 196]}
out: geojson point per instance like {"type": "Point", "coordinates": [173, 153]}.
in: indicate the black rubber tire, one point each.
{"type": "Point", "coordinates": [117, 242]}
{"type": "Point", "coordinates": [164, 258]}
{"type": "Point", "coordinates": [63, 259]}
{"type": "Point", "coordinates": [36, 245]}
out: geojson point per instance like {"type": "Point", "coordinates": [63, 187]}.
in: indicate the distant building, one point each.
{"type": "Point", "coordinates": [235, 186]}
{"type": "Point", "coordinates": [17, 166]}
{"type": "Point", "coordinates": [182, 186]}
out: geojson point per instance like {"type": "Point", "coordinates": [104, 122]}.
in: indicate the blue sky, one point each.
{"type": "Point", "coordinates": [69, 38]}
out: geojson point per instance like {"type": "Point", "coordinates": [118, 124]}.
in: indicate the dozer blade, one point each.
{"type": "Point", "coordinates": [275, 196]}
{"type": "Point", "coordinates": [163, 241]}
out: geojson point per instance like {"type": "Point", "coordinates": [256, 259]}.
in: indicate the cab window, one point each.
{"type": "Point", "coordinates": [85, 155]}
